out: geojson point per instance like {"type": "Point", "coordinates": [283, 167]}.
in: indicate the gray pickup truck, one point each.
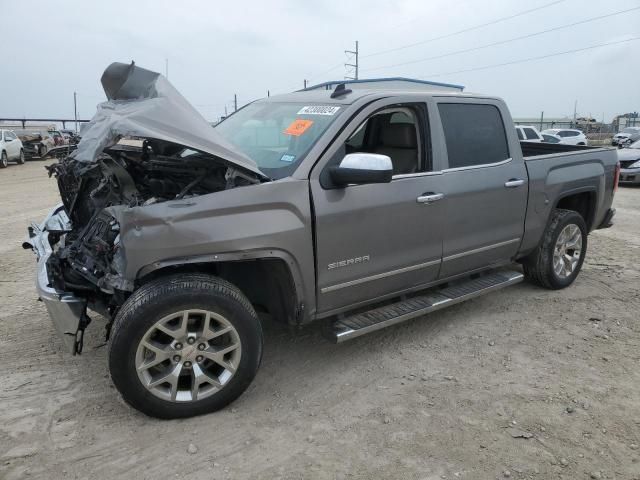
{"type": "Point", "coordinates": [358, 207]}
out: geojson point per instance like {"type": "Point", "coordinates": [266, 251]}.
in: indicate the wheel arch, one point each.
{"type": "Point", "coordinates": [582, 201]}
{"type": "Point", "coordinates": [271, 282]}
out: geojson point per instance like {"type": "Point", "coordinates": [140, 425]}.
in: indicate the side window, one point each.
{"type": "Point", "coordinates": [531, 134]}
{"type": "Point", "coordinates": [563, 134]}
{"type": "Point", "coordinates": [395, 132]}
{"type": "Point", "coordinates": [520, 135]}
{"type": "Point", "coordinates": [572, 134]}
{"type": "Point", "coordinates": [474, 134]}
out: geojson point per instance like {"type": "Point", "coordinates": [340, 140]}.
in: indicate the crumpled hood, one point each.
{"type": "Point", "coordinates": [142, 103]}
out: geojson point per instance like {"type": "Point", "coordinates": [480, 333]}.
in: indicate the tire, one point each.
{"type": "Point", "coordinates": [170, 297]}
{"type": "Point", "coordinates": [21, 158]}
{"type": "Point", "coordinates": [4, 160]}
{"type": "Point", "coordinates": [539, 266]}
{"type": "Point", "coordinates": [42, 151]}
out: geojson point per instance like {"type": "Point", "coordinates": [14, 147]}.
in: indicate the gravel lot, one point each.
{"type": "Point", "coordinates": [522, 383]}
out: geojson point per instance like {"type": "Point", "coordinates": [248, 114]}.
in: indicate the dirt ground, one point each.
{"type": "Point", "coordinates": [522, 383]}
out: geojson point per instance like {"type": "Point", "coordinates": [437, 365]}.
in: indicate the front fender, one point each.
{"type": "Point", "coordinates": [269, 220]}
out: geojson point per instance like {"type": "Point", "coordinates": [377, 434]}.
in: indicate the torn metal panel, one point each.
{"type": "Point", "coordinates": [142, 103]}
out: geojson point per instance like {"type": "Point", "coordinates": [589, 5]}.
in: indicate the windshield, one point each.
{"type": "Point", "coordinates": [277, 136]}
{"type": "Point", "coordinates": [635, 144]}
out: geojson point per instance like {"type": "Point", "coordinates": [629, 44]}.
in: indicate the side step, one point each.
{"type": "Point", "coordinates": [358, 324]}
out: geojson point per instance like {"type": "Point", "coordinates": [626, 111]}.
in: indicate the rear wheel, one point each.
{"type": "Point", "coordinates": [557, 261]}
{"type": "Point", "coordinates": [184, 345]}
{"type": "Point", "coordinates": [42, 151]}
{"type": "Point", "coordinates": [21, 157]}
{"type": "Point", "coordinates": [4, 160]}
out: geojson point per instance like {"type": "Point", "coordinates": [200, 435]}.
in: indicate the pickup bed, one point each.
{"type": "Point", "coordinates": [359, 208]}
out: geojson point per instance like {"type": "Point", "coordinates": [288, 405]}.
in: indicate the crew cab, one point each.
{"type": "Point", "coordinates": [354, 207]}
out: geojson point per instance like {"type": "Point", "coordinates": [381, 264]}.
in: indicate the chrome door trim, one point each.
{"type": "Point", "coordinates": [473, 167]}
{"type": "Point", "coordinates": [481, 249]}
{"type": "Point", "coordinates": [378, 276]}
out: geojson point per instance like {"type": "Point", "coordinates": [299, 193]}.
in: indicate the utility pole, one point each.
{"type": "Point", "coordinates": [575, 109]}
{"type": "Point", "coordinates": [75, 109]}
{"type": "Point", "coordinates": [225, 112]}
{"type": "Point", "coordinates": [541, 119]}
{"type": "Point", "coordinates": [305, 83]}
{"type": "Point", "coordinates": [166, 68]}
{"type": "Point", "coordinates": [268, 93]}
{"type": "Point", "coordinates": [235, 102]}
{"type": "Point", "coordinates": [353, 65]}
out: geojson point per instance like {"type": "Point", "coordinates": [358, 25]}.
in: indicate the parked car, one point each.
{"type": "Point", "coordinates": [71, 136]}
{"type": "Point", "coordinates": [626, 136]}
{"type": "Point", "coordinates": [10, 148]}
{"type": "Point", "coordinates": [528, 133]}
{"type": "Point", "coordinates": [550, 138]}
{"type": "Point", "coordinates": [569, 136]}
{"type": "Point", "coordinates": [36, 143]}
{"type": "Point", "coordinates": [629, 158]}
{"type": "Point", "coordinates": [58, 138]}
{"type": "Point", "coordinates": [311, 206]}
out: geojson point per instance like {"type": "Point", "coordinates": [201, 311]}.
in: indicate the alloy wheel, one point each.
{"type": "Point", "coordinates": [188, 355]}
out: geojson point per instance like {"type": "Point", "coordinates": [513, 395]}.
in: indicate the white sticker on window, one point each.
{"type": "Point", "coordinates": [287, 158]}
{"type": "Point", "coordinates": [318, 110]}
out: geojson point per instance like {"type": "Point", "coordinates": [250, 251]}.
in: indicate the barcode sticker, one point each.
{"type": "Point", "coordinates": [318, 110]}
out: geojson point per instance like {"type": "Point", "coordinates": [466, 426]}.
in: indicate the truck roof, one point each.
{"type": "Point", "coordinates": [324, 96]}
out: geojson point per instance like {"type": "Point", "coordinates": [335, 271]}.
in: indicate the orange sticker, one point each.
{"type": "Point", "coordinates": [298, 127]}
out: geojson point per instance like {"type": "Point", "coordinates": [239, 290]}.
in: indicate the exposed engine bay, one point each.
{"type": "Point", "coordinates": [85, 261]}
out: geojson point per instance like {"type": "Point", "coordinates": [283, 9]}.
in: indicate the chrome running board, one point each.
{"type": "Point", "coordinates": [353, 326]}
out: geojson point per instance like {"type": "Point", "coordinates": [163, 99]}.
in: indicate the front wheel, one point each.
{"type": "Point", "coordinates": [184, 345]}
{"type": "Point", "coordinates": [21, 158]}
{"type": "Point", "coordinates": [4, 160]}
{"type": "Point", "coordinates": [558, 259]}
{"type": "Point", "coordinates": [42, 151]}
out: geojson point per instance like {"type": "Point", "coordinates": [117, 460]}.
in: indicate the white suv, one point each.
{"type": "Point", "coordinates": [10, 148]}
{"type": "Point", "coordinates": [569, 136]}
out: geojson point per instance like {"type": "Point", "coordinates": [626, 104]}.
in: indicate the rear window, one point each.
{"type": "Point", "coordinates": [520, 135]}
{"type": "Point", "coordinates": [474, 134]}
{"type": "Point", "coordinates": [531, 134]}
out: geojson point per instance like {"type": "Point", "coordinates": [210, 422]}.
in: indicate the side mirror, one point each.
{"type": "Point", "coordinates": [362, 168]}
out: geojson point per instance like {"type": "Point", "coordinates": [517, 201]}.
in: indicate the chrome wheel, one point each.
{"type": "Point", "coordinates": [567, 251]}
{"type": "Point", "coordinates": [188, 355]}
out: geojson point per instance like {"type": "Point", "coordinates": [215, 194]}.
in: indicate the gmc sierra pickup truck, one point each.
{"type": "Point", "coordinates": [358, 207]}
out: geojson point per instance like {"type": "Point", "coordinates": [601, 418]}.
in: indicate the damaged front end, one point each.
{"type": "Point", "coordinates": [81, 261]}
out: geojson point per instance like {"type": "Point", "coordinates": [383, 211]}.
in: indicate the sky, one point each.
{"type": "Point", "coordinates": [216, 49]}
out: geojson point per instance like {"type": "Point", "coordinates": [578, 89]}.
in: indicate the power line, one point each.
{"type": "Point", "coordinates": [468, 29]}
{"type": "Point", "coordinates": [475, 27]}
{"type": "Point", "coordinates": [531, 59]}
{"type": "Point", "coordinates": [502, 42]}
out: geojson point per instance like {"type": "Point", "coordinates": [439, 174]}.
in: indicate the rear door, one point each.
{"type": "Point", "coordinates": [485, 186]}
{"type": "Point", "coordinates": [378, 240]}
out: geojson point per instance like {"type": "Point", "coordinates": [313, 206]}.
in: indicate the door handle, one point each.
{"type": "Point", "coordinates": [514, 182]}
{"type": "Point", "coordinates": [430, 197]}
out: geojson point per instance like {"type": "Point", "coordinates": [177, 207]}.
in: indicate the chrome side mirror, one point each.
{"type": "Point", "coordinates": [362, 168]}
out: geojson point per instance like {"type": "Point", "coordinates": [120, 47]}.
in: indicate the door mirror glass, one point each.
{"type": "Point", "coordinates": [362, 168]}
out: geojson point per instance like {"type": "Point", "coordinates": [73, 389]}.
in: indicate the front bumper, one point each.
{"type": "Point", "coordinates": [67, 311]}
{"type": "Point", "coordinates": [630, 176]}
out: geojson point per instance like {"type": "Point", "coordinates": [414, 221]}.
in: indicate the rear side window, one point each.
{"type": "Point", "coordinates": [531, 134]}
{"type": "Point", "coordinates": [520, 135]}
{"type": "Point", "coordinates": [474, 134]}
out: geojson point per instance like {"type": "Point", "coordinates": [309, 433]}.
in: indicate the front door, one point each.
{"type": "Point", "coordinates": [379, 239]}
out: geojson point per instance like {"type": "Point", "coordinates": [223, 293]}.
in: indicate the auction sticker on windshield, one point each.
{"type": "Point", "coordinates": [298, 127]}
{"type": "Point", "coordinates": [318, 110]}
